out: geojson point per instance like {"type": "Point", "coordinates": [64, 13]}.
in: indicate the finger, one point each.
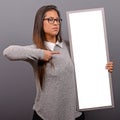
{"type": "Point", "coordinates": [55, 52]}
{"type": "Point", "coordinates": [109, 67]}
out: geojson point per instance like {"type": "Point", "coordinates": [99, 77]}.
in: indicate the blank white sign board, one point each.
{"type": "Point", "coordinates": [88, 46]}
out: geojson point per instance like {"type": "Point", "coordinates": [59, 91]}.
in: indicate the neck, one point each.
{"type": "Point", "coordinates": [51, 39]}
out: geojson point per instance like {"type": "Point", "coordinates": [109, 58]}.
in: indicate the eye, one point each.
{"type": "Point", "coordinates": [50, 19]}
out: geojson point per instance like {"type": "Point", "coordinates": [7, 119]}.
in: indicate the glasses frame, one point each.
{"type": "Point", "coordinates": [51, 20]}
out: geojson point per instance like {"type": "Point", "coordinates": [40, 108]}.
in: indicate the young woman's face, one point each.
{"type": "Point", "coordinates": [51, 23]}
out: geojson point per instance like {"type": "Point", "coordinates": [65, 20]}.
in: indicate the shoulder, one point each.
{"type": "Point", "coordinates": [66, 44]}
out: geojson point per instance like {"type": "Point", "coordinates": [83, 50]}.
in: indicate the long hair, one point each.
{"type": "Point", "coordinates": [39, 38]}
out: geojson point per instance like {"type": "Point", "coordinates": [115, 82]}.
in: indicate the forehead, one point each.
{"type": "Point", "coordinates": [51, 13]}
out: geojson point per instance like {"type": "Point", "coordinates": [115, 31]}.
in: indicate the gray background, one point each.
{"type": "Point", "coordinates": [17, 85]}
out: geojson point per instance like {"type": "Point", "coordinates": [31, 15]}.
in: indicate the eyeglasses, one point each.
{"type": "Point", "coordinates": [51, 20]}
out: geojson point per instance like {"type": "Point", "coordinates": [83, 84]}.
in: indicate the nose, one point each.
{"type": "Point", "coordinates": [56, 22]}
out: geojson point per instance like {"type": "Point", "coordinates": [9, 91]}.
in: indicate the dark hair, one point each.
{"type": "Point", "coordinates": [39, 37]}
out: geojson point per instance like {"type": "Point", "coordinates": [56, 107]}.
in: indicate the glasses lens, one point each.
{"type": "Point", "coordinates": [50, 20]}
{"type": "Point", "coordinates": [58, 20]}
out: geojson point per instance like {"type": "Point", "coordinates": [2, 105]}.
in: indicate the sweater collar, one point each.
{"type": "Point", "coordinates": [51, 46]}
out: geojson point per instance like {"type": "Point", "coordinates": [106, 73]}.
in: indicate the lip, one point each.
{"type": "Point", "coordinates": [55, 28]}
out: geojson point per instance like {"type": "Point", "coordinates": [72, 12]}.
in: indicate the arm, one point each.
{"type": "Point", "coordinates": [16, 52]}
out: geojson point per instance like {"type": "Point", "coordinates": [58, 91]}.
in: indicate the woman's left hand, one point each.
{"type": "Point", "coordinates": [109, 66]}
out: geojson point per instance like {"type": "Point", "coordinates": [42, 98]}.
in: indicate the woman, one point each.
{"type": "Point", "coordinates": [53, 68]}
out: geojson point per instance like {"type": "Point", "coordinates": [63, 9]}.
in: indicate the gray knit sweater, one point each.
{"type": "Point", "coordinates": [57, 101]}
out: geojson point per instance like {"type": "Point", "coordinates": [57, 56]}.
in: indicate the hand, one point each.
{"type": "Point", "coordinates": [48, 54]}
{"type": "Point", "coordinates": [109, 66]}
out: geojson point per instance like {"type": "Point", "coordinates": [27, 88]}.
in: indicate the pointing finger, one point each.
{"type": "Point", "coordinates": [55, 52]}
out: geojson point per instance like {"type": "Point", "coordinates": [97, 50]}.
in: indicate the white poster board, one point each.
{"type": "Point", "coordinates": [89, 50]}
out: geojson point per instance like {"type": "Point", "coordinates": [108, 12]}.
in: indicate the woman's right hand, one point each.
{"type": "Point", "coordinates": [48, 54]}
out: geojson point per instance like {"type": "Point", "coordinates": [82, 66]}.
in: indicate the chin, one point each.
{"type": "Point", "coordinates": [55, 33]}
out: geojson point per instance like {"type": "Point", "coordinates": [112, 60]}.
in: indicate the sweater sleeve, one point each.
{"type": "Point", "coordinates": [16, 52]}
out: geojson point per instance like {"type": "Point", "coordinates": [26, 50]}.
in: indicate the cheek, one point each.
{"type": "Point", "coordinates": [45, 28]}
